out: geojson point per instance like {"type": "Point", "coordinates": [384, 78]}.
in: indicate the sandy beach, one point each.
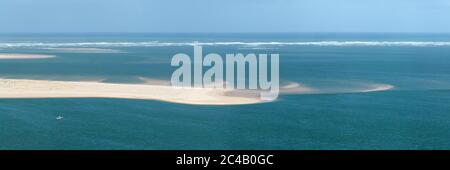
{"type": "Point", "coordinates": [22, 88]}
{"type": "Point", "coordinates": [24, 56]}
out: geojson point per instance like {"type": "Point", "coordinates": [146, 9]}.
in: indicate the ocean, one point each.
{"type": "Point", "coordinates": [371, 91]}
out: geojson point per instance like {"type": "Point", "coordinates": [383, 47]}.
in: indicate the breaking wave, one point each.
{"type": "Point", "coordinates": [297, 88]}
{"type": "Point", "coordinates": [158, 43]}
{"type": "Point", "coordinates": [362, 89]}
{"type": "Point", "coordinates": [378, 87]}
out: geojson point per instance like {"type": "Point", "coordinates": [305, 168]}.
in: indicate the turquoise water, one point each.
{"type": "Point", "coordinates": [415, 114]}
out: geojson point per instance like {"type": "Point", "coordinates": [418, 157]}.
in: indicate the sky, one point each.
{"type": "Point", "coordinates": [78, 16]}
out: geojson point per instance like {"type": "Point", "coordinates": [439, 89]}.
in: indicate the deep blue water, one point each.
{"type": "Point", "coordinates": [415, 114]}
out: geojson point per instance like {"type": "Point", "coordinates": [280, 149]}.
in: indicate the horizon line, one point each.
{"type": "Point", "coordinates": [302, 32]}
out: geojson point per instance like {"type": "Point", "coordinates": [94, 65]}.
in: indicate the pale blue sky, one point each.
{"type": "Point", "coordinates": [224, 15]}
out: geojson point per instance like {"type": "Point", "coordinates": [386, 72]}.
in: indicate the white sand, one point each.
{"type": "Point", "coordinates": [24, 56]}
{"type": "Point", "coordinates": [18, 88]}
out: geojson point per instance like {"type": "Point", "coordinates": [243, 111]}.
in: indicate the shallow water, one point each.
{"type": "Point", "coordinates": [350, 108]}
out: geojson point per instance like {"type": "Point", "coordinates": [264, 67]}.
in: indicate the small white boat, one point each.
{"type": "Point", "coordinates": [59, 118]}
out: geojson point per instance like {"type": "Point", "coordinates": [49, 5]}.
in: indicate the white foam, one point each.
{"type": "Point", "coordinates": [249, 44]}
{"type": "Point", "coordinates": [296, 88]}
{"type": "Point", "coordinates": [84, 50]}
{"type": "Point", "coordinates": [378, 87]}
{"type": "Point", "coordinates": [364, 88]}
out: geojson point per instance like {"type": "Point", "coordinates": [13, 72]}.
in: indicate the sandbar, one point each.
{"type": "Point", "coordinates": [24, 56]}
{"type": "Point", "coordinates": [25, 88]}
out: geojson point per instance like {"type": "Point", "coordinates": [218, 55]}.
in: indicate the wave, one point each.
{"type": "Point", "coordinates": [158, 43]}
{"type": "Point", "coordinates": [378, 87]}
{"type": "Point", "coordinates": [362, 89]}
{"type": "Point", "coordinates": [296, 88]}
{"type": "Point", "coordinates": [83, 50]}
{"type": "Point", "coordinates": [291, 87]}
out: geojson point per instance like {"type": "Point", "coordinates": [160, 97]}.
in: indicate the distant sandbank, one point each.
{"type": "Point", "coordinates": [24, 56]}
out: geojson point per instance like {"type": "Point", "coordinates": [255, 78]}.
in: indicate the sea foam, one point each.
{"type": "Point", "coordinates": [254, 44]}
